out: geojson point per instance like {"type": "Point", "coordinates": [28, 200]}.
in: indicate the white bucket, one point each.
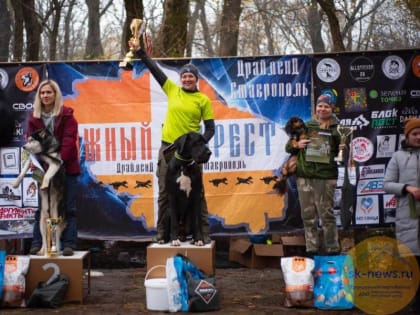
{"type": "Point", "coordinates": [156, 292]}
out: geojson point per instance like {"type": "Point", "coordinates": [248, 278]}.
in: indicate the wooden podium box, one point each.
{"type": "Point", "coordinates": [202, 256]}
{"type": "Point", "coordinates": [41, 268]}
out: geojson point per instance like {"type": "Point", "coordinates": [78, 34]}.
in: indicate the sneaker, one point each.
{"type": "Point", "coordinates": [34, 250]}
{"type": "Point", "coordinates": [68, 251]}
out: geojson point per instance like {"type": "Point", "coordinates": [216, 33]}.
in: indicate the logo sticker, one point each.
{"type": "Point", "coordinates": [362, 69]}
{"type": "Point", "coordinates": [27, 79]}
{"type": "Point", "coordinates": [393, 67]}
{"type": "Point", "coordinates": [328, 70]}
{"type": "Point", "coordinates": [4, 78]}
{"type": "Point", "coordinates": [362, 149]}
{"type": "Point", "coordinates": [415, 66]}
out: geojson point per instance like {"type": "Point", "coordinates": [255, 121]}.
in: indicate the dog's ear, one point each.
{"type": "Point", "coordinates": [181, 143]}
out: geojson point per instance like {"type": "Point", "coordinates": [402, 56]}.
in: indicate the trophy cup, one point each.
{"type": "Point", "coordinates": [53, 240]}
{"type": "Point", "coordinates": [137, 28]}
{"type": "Point", "coordinates": [344, 133]}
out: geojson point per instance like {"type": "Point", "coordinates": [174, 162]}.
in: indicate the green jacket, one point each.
{"type": "Point", "coordinates": [326, 169]}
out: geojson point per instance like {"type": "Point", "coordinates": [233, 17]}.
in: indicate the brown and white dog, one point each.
{"type": "Point", "coordinates": [45, 148]}
{"type": "Point", "coordinates": [184, 184]}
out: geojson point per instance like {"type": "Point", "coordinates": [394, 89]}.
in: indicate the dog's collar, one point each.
{"type": "Point", "coordinates": [181, 158]}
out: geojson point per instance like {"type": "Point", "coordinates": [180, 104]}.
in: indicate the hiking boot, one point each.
{"type": "Point", "coordinates": [68, 251]}
{"type": "Point", "coordinates": [34, 250]}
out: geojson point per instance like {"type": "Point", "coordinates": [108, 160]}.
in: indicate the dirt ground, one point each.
{"type": "Point", "coordinates": [117, 286]}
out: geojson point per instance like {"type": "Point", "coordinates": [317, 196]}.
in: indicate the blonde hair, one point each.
{"type": "Point", "coordinates": [58, 101]}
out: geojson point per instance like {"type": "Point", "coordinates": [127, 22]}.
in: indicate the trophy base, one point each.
{"type": "Point", "coordinates": [126, 65]}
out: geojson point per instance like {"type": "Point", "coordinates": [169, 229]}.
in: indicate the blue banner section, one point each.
{"type": "Point", "coordinates": [120, 115]}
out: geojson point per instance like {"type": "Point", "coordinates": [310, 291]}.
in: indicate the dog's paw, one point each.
{"type": "Point", "coordinates": [199, 243]}
{"type": "Point", "coordinates": [175, 243]}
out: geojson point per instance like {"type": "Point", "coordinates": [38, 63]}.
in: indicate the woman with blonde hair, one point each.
{"type": "Point", "coordinates": [49, 112]}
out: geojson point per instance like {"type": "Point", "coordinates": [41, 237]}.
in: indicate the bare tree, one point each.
{"type": "Point", "coordinates": [67, 29]}
{"type": "Point", "coordinates": [230, 28]}
{"type": "Point", "coordinates": [94, 47]}
{"type": "Point", "coordinates": [5, 31]}
{"type": "Point", "coordinates": [330, 11]}
{"type": "Point", "coordinates": [315, 27]}
{"type": "Point", "coordinates": [133, 9]}
{"type": "Point", "coordinates": [172, 36]}
{"type": "Point", "coordinates": [18, 31]}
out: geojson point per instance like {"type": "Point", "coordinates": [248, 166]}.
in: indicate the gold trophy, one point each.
{"type": "Point", "coordinates": [53, 241]}
{"type": "Point", "coordinates": [344, 133]}
{"type": "Point", "coordinates": [137, 28]}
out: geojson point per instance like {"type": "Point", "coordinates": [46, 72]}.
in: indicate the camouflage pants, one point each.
{"type": "Point", "coordinates": [162, 168]}
{"type": "Point", "coordinates": [316, 197]}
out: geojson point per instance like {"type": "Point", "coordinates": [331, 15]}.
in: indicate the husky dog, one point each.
{"type": "Point", "coordinates": [43, 146]}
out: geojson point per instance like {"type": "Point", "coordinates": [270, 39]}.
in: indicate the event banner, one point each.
{"type": "Point", "coordinates": [120, 114]}
{"type": "Point", "coordinates": [376, 92]}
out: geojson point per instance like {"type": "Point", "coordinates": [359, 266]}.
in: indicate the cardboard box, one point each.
{"type": "Point", "coordinates": [251, 255]}
{"type": "Point", "coordinates": [293, 240]}
{"type": "Point", "coordinates": [71, 266]}
{"type": "Point", "coordinates": [202, 256]}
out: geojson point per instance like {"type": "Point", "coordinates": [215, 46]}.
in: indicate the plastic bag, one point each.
{"type": "Point", "coordinates": [202, 294]}
{"type": "Point", "coordinates": [174, 288]}
{"type": "Point", "coordinates": [299, 282]}
{"type": "Point", "coordinates": [49, 294]}
{"type": "Point", "coordinates": [14, 282]}
{"type": "Point", "coordinates": [334, 282]}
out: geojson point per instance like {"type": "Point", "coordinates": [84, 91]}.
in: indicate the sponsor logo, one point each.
{"type": "Point", "coordinates": [392, 97]}
{"type": "Point", "coordinates": [372, 171]}
{"type": "Point", "coordinates": [393, 67]}
{"type": "Point", "coordinates": [362, 69]}
{"type": "Point", "coordinates": [328, 70]}
{"type": "Point", "coordinates": [355, 99]}
{"type": "Point", "coordinates": [4, 78]}
{"type": "Point", "coordinates": [19, 107]}
{"type": "Point", "coordinates": [357, 123]}
{"type": "Point", "coordinates": [362, 149]}
{"type": "Point", "coordinates": [390, 201]}
{"type": "Point", "coordinates": [415, 66]}
{"type": "Point", "coordinates": [370, 186]}
{"type": "Point", "coordinates": [415, 93]}
{"type": "Point", "coordinates": [384, 118]}
{"type": "Point", "coordinates": [385, 145]}
{"type": "Point", "coordinates": [27, 79]}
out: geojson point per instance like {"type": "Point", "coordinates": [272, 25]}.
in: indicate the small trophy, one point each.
{"type": "Point", "coordinates": [344, 133]}
{"type": "Point", "coordinates": [137, 28]}
{"type": "Point", "coordinates": [53, 241]}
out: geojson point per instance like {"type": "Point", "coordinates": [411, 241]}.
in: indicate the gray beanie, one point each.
{"type": "Point", "coordinates": [189, 68]}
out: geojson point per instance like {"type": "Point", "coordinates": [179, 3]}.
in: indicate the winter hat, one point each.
{"type": "Point", "coordinates": [410, 124]}
{"type": "Point", "coordinates": [189, 68]}
{"type": "Point", "coordinates": [328, 96]}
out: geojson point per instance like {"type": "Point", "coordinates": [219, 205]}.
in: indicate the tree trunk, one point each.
{"type": "Point", "coordinates": [33, 31]}
{"type": "Point", "coordinates": [18, 31]}
{"type": "Point", "coordinates": [67, 30]}
{"type": "Point", "coordinates": [133, 10]}
{"type": "Point", "coordinates": [172, 37]}
{"type": "Point", "coordinates": [329, 9]}
{"type": "Point", "coordinates": [94, 47]}
{"type": "Point", "coordinates": [230, 28]}
{"type": "Point", "coordinates": [5, 31]}
{"type": "Point", "coordinates": [314, 22]}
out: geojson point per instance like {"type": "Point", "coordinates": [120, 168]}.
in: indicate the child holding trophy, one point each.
{"type": "Point", "coordinates": [317, 173]}
{"type": "Point", "coordinates": [182, 116]}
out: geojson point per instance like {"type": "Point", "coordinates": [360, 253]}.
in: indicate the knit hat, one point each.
{"type": "Point", "coordinates": [190, 68]}
{"type": "Point", "coordinates": [328, 96]}
{"type": "Point", "coordinates": [411, 124]}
